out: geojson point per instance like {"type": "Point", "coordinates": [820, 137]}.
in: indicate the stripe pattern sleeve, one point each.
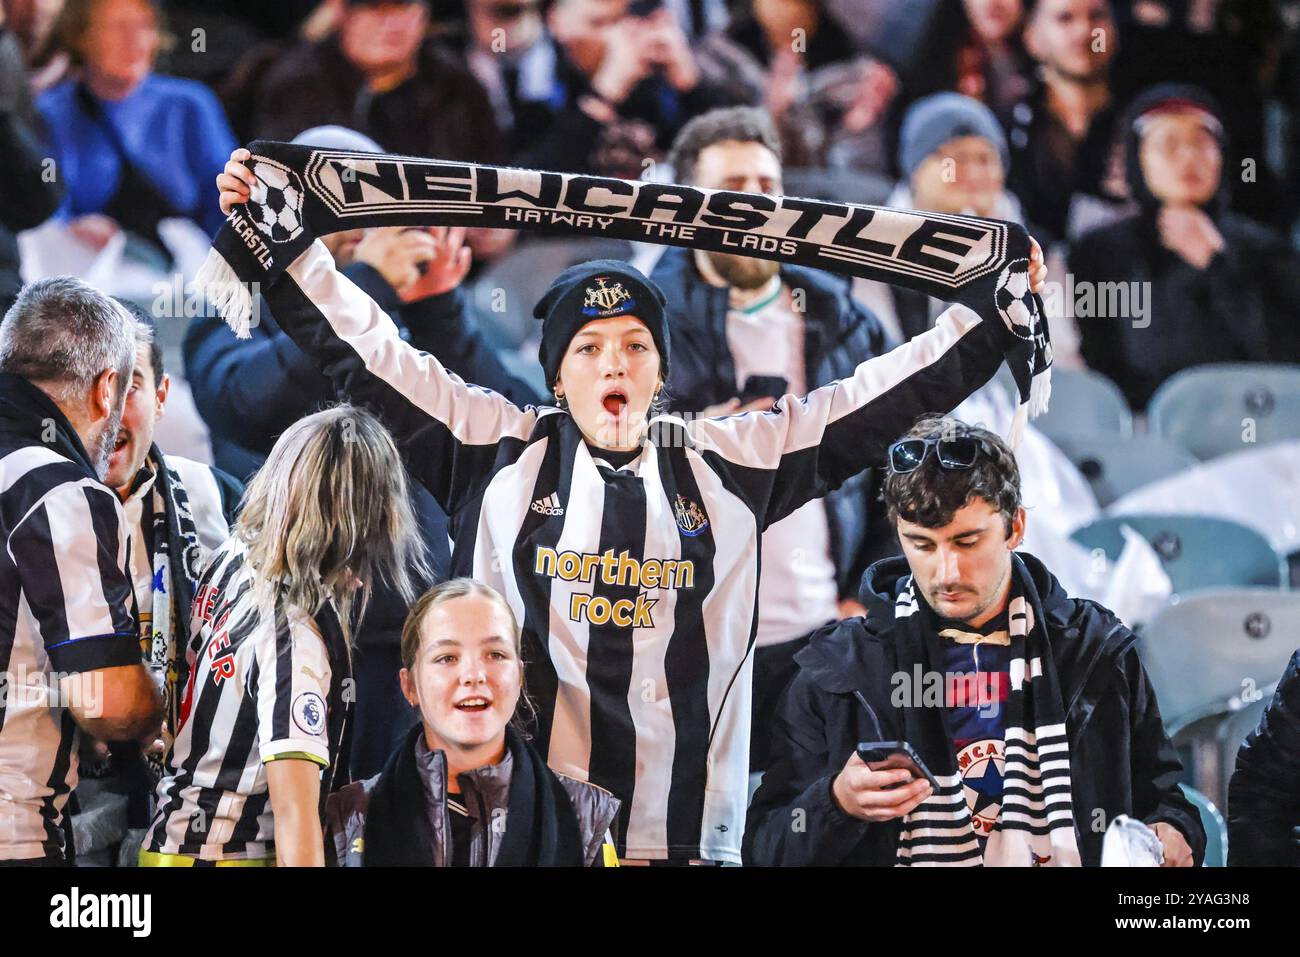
{"type": "Point", "coordinates": [808, 446]}
{"type": "Point", "coordinates": [68, 608]}
{"type": "Point", "coordinates": [449, 432]}
{"type": "Point", "coordinates": [259, 690]}
{"type": "Point", "coordinates": [71, 552]}
{"type": "Point", "coordinates": [292, 690]}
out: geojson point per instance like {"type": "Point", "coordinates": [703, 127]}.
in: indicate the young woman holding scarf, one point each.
{"type": "Point", "coordinates": [627, 549]}
{"type": "Point", "coordinates": [466, 788]}
{"type": "Point", "coordinates": [266, 702]}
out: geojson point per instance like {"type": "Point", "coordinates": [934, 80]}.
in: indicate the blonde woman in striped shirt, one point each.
{"type": "Point", "coordinates": [269, 663]}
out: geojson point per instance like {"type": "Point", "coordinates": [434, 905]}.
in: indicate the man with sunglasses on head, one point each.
{"type": "Point", "coordinates": [1011, 723]}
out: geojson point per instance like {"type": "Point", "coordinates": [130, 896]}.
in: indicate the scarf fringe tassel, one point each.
{"type": "Point", "coordinates": [226, 292]}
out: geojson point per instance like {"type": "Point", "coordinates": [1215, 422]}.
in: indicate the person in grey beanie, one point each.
{"type": "Point", "coordinates": [953, 157]}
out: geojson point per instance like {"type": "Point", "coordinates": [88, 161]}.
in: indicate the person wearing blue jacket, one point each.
{"type": "Point", "coordinates": [131, 147]}
{"type": "Point", "coordinates": [248, 391]}
{"type": "Point", "coordinates": [747, 332]}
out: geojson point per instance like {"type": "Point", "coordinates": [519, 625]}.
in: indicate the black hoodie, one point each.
{"type": "Point", "coordinates": [1121, 760]}
{"type": "Point", "coordinates": [1240, 308]}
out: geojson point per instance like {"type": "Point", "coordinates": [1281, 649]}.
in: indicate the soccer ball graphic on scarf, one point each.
{"type": "Point", "coordinates": [276, 201]}
{"type": "Point", "coordinates": [1014, 300]}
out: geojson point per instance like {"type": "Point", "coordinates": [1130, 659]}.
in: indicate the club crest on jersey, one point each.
{"type": "Point", "coordinates": [981, 763]}
{"type": "Point", "coordinates": [690, 517]}
{"type": "Point", "coordinates": [603, 300]}
{"type": "Point", "coordinates": [309, 712]}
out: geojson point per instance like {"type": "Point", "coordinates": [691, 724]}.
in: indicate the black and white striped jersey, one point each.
{"type": "Point", "coordinates": [260, 683]}
{"type": "Point", "coordinates": [65, 607]}
{"type": "Point", "coordinates": [637, 586]}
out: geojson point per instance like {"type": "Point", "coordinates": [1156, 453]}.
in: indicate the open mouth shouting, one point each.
{"type": "Point", "coordinates": [614, 402]}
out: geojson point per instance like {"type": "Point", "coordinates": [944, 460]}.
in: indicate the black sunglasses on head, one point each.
{"type": "Point", "coordinates": [906, 455]}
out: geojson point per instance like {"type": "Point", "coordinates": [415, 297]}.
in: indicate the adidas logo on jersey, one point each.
{"type": "Point", "coordinates": [550, 505]}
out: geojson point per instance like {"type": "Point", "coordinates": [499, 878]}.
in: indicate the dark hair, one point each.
{"type": "Point", "coordinates": [931, 495]}
{"type": "Point", "coordinates": [739, 124]}
{"type": "Point", "coordinates": [146, 330]}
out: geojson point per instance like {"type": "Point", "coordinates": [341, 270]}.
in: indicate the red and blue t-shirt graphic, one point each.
{"type": "Point", "coordinates": [976, 664]}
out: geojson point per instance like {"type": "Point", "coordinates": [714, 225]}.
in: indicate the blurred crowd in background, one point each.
{"type": "Point", "coordinates": [97, 96]}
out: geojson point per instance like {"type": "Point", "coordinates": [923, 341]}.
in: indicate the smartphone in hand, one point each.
{"type": "Point", "coordinates": [890, 755]}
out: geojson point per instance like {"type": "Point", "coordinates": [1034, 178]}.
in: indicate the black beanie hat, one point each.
{"type": "Point", "coordinates": [600, 289]}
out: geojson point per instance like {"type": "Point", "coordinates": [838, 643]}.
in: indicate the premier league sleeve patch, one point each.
{"type": "Point", "coordinates": [308, 713]}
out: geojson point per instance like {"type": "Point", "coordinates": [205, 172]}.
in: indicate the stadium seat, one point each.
{"type": "Point", "coordinates": [1084, 401]}
{"type": "Point", "coordinates": [1115, 465]}
{"type": "Point", "coordinates": [1216, 828]}
{"type": "Point", "coordinates": [1255, 487]}
{"type": "Point", "coordinates": [1196, 551]}
{"type": "Point", "coordinates": [1208, 741]}
{"type": "Point", "coordinates": [1219, 651]}
{"type": "Point", "coordinates": [1215, 409]}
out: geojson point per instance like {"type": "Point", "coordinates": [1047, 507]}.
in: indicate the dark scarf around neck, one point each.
{"type": "Point", "coordinates": [541, 827]}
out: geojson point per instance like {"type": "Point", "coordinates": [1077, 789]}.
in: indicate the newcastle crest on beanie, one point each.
{"type": "Point", "coordinates": [600, 289]}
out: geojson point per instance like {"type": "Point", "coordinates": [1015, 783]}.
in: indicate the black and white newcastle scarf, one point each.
{"type": "Point", "coordinates": [306, 193]}
{"type": "Point", "coordinates": [1035, 826]}
{"type": "Point", "coordinates": [176, 560]}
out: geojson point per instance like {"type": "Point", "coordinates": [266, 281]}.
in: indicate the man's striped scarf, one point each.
{"type": "Point", "coordinates": [1035, 826]}
{"type": "Point", "coordinates": [177, 563]}
{"type": "Point", "coordinates": [307, 193]}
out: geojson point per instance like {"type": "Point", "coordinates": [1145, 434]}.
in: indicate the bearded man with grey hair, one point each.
{"type": "Point", "coordinates": [69, 642]}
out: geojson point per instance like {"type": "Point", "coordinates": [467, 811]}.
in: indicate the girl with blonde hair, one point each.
{"type": "Point", "coordinates": [269, 682]}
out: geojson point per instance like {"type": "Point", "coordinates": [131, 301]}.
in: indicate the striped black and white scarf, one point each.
{"type": "Point", "coordinates": [176, 562]}
{"type": "Point", "coordinates": [305, 193]}
{"type": "Point", "coordinates": [1035, 826]}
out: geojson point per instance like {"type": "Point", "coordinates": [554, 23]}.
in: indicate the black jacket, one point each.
{"type": "Point", "coordinates": [1239, 308]}
{"type": "Point", "coordinates": [839, 334]}
{"type": "Point", "coordinates": [441, 110]}
{"type": "Point", "coordinates": [1264, 793]}
{"type": "Point", "coordinates": [1121, 760]}
{"type": "Point", "coordinates": [557, 134]}
{"type": "Point", "coordinates": [484, 792]}
{"type": "Point", "coordinates": [1044, 185]}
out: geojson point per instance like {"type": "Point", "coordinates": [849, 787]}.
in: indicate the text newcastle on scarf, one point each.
{"type": "Point", "coordinates": [305, 193]}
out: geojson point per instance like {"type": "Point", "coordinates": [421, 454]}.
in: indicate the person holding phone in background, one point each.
{"type": "Point", "coordinates": [748, 332]}
{"type": "Point", "coordinates": [1030, 709]}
